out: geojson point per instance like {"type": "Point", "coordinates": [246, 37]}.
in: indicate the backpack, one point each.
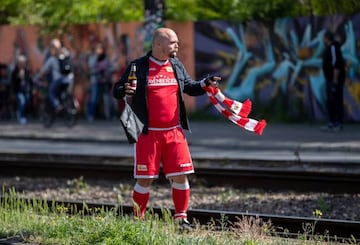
{"type": "Point", "coordinates": [65, 64]}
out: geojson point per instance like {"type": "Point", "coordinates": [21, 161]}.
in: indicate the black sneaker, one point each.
{"type": "Point", "coordinates": [337, 128]}
{"type": "Point", "coordinates": [327, 128]}
{"type": "Point", "coordinates": [59, 109]}
{"type": "Point", "coordinates": [184, 225]}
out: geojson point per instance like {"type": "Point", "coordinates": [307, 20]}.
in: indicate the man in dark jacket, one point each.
{"type": "Point", "coordinates": [22, 85]}
{"type": "Point", "coordinates": [334, 71]}
{"type": "Point", "coordinates": [158, 101]}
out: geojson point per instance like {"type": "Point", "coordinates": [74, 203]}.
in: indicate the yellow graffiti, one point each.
{"type": "Point", "coordinates": [354, 90]}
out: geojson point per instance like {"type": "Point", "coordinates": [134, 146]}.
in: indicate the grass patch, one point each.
{"type": "Point", "coordinates": [39, 222]}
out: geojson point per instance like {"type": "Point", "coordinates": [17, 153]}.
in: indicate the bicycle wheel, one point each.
{"type": "Point", "coordinates": [48, 116]}
{"type": "Point", "coordinates": [70, 116]}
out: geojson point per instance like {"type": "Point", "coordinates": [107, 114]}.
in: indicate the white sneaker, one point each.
{"type": "Point", "coordinates": [337, 128]}
{"type": "Point", "coordinates": [184, 225]}
{"type": "Point", "coordinates": [23, 120]}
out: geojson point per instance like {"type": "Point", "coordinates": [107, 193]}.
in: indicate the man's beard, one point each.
{"type": "Point", "coordinates": [173, 54]}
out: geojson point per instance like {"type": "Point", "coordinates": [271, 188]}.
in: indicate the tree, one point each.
{"type": "Point", "coordinates": [331, 7]}
{"type": "Point", "coordinates": [233, 10]}
{"type": "Point", "coordinates": [175, 10]}
{"type": "Point", "coordinates": [54, 14]}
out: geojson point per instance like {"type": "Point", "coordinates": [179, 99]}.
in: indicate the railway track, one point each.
{"type": "Point", "coordinates": [277, 176]}
{"type": "Point", "coordinates": [274, 176]}
{"type": "Point", "coordinates": [282, 226]}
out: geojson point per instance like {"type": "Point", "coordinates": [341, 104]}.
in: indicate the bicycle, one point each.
{"type": "Point", "coordinates": [68, 113]}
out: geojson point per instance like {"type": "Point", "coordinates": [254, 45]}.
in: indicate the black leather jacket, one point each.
{"type": "Point", "coordinates": [139, 101]}
{"type": "Point", "coordinates": [333, 59]}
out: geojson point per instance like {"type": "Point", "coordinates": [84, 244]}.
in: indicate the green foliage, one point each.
{"type": "Point", "coordinates": [263, 10]}
{"type": "Point", "coordinates": [219, 9]}
{"type": "Point", "coordinates": [53, 14]}
{"type": "Point", "coordinates": [174, 10]}
{"type": "Point", "coordinates": [331, 7]}
{"type": "Point", "coordinates": [57, 15]}
{"type": "Point", "coordinates": [36, 221]}
{"type": "Point", "coordinates": [76, 185]}
{"type": "Point", "coordinates": [235, 10]}
{"type": "Point", "coordinates": [269, 10]}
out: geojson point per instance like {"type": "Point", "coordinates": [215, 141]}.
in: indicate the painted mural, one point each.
{"type": "Point", "coordinates": [278, 65]}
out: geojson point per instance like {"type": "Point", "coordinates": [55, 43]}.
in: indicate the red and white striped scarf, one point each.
{"type": "Point", "coordinates": [235, 111]}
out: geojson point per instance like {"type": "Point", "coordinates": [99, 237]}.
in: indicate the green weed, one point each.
{"type": "Point", "coordinates": [43, 222]}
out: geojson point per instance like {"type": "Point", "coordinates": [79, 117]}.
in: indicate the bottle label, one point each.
{"type": "Point", "coordinates": [133, 82]}
{"type": "Point", "coordinates": [132, 77]}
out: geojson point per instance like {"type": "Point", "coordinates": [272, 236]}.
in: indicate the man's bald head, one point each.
{"type": "Point", "coordinates": [55, 43]}
{"type": "Point", "coordinates": [162, 33]}
{"type": "Point", "coordinates": [165, 43]}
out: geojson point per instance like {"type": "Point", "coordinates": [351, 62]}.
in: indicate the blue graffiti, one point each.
{"type": "Point", "coordinates": [349, 49]}
{"type": "Point", "coordinates": [282, 63]}
{"type": "Point", "coordinates": [243, 55]}
{"type": "Point", "coordinates": [247, 87]}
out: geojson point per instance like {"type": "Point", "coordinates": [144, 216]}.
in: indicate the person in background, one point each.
{"type": "Point", "coordinates": [22, 86]}
{"type": "Point", "coordinates": [5, 98]}
{"type": "Point", "coordinates": [50, 51]}
{"type": "Point", "coordinates": [92, 92]}
{"type": "Point", "coordinates": [58, 77]}
{"type": "Point", "coordinates": [100, 71]}
{"type": "Point", "coordinates": [158, 101]}
{"type": "Point", "coordinates": [333, 66]}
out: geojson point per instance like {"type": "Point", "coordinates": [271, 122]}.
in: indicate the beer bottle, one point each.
{"type": "Point", "coordinates": [132, 79]}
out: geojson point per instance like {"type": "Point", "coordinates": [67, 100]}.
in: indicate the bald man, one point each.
{"type": "Point", "coordinates": [55, 43]}
{"type": "Point", "coordinates": [57, 79]}
{"type": "Point", "coordinates": [158, 101]}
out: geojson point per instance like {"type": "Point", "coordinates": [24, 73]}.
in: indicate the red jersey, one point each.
{"type": "Point", "coordinates": [162, 95]}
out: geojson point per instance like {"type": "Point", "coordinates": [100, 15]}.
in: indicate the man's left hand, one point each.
{"type": "Point", "coordinates": [213, 81]}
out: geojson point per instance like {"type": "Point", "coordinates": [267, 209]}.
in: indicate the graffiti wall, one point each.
{"type": "Point", "coordinates": [278, 65]}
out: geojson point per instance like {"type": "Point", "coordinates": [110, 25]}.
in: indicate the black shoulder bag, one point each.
{"type": "Point", "coordinates": [131, 124]}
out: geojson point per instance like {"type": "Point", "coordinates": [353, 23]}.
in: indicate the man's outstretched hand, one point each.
{"type": "Point", "coordinates": [213, 81]}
